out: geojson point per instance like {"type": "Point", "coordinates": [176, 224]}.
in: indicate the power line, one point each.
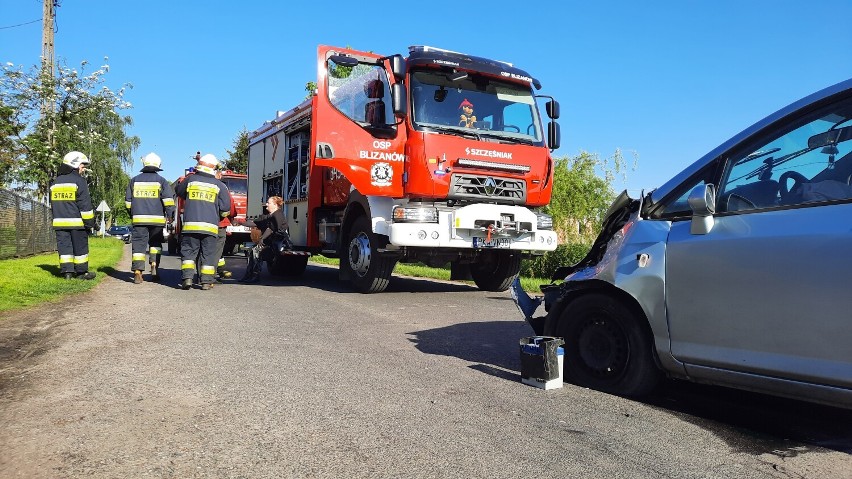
{"type": "Point", "coordinates": [20, 24]}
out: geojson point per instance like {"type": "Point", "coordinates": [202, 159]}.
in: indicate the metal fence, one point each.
{"type": "Point", "coordinates": [25, 226]}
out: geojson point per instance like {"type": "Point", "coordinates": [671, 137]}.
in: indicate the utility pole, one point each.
{"type": "Point", "coordinates": [47, 60]}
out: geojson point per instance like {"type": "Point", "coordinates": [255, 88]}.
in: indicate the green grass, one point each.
{"type": "Point", "coordinates": [532, 285]}
{"type": "Point", "coordinates": [33, 280]}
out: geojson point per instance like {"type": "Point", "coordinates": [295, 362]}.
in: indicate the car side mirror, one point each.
{"type": "Point", "coordinates": [702, 201]}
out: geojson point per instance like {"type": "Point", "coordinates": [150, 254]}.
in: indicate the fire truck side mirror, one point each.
{"type": "Point", "coordinates": [553, 135]}
{"type": "Point", "coordinates": [344, 61]}
{"type": "Point", "coordinates": [398, 67]}
{"type": "Point", "coordinates": [400, 102]}
{"type": "Point", "coordinates": [552, 108]}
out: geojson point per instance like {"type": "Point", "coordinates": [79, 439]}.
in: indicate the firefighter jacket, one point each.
{"type": "Point", "coordinates": [228, 220]}
{"type": "Point", "coordinates": [70, 201]}
{"type": "Point", "coordinates": [206, 202]}
{"type": "Point", "coordinates": [149, 198]}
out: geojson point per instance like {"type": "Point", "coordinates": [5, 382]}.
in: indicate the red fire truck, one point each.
{"type": "Point", "coordinates": [237, 233]}
{"type": "Point", "coordinates": [439, 158]}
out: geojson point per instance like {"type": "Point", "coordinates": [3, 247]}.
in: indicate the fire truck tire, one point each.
{"type": "Point", "coordinates": [230, 244]}
{"type": "Point", "coordinates": [496, 270]}
{"type": "Point", "coordinates": [368, 270]}
{"type": "Point", "coordinates": [288, 265]}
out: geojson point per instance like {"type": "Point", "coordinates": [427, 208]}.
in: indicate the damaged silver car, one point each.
{"type": "Point", "coordinates": [735, 272]}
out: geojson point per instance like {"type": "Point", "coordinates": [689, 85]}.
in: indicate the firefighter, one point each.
{"type": "Point", "coordinates": [73, 215]}
{"type": "Point", "coordinates": [222, 238]}
{"type": "Point", "coordinates": [150, 200]}
{"type": "Point", "coordinates": [206, 201]}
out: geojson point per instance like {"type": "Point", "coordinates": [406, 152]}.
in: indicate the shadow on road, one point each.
{"type": "Point", "coordinates": [749, 422]}
{"type": "Point", "coordinates": [772, 422]}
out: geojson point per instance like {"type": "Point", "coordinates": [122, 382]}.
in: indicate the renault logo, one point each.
{"type": "Point", "coordinates": [490, 186]}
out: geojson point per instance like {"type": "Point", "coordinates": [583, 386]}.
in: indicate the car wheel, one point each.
{"type": "Point", "coordinates": [607, 347]}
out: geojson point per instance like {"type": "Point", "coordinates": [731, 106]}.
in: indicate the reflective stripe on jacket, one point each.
{"type": "Point", "coordinates": [150, 199]}
{"type": "Point", "coordinates": [206, 202]}
{"type": "Point", "coordinates": [70, 202]}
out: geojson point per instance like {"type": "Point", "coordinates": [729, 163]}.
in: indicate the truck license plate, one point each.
{"type": "Point", "coordinates": [494, 243]}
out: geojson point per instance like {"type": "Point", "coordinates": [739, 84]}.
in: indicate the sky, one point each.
{"type": "Point", "coordinates": [662, 82]}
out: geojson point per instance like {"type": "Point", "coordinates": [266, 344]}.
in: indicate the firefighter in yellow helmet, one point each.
{"type": "Point", "coordinates": [206, 202]}
{"type": "Point", "coordinates": [73, 214]}
{"type": "Point", "coordinates": [150, 200]}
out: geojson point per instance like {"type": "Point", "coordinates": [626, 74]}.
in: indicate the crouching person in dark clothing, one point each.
{"type": "Point", "coordinates": [274, 237]}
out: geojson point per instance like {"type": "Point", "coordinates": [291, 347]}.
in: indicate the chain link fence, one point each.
{"type": "Point", "coordinates": [25, 226]}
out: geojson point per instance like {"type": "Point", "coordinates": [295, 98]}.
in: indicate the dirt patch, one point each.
{"type": "Point", "coordinates": [24, 337]}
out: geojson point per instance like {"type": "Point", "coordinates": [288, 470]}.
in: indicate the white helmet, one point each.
{"type": "Point", "coordinates": [151, 159]}
{"type": "Point", "coordinates": [209, 161]}
{"type": "Point", "coordinates": [74, 159]}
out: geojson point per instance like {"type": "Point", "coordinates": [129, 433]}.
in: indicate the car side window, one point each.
{"type": "Point", "coordinates": [804, 161]}
{"type": "Point", "coordinates": [676, 205]}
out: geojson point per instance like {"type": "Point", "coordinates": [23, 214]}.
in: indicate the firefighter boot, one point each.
{"type": "Point", "coordinates": [87, 275]}
{"type": "Point", "coordinates": [206, 286]}
{"type": "Point", "coordinates": [155, 275]}
{"type": "Point", "coordinates": [186, 283]}
{"type": "Point", "coordinates": [137, 276]}
{"type": "Point", "coordinates": [68, 275]}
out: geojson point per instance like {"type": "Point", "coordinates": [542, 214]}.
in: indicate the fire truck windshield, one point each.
{"type": "Point", "coordinates": [237, 186]}
{"type": "Point", "coordinates": [474, 104]}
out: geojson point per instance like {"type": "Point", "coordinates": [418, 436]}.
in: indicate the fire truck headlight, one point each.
{"type": "Point", "coordinates": [415, 214]}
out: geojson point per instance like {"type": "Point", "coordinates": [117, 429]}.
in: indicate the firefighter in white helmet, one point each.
{"type": "Point", "coordinates": [206, 202]}
{"type": "Point", "coordinates": [73, 214]}
{"type": "Point", "coordinates": [150, 200]}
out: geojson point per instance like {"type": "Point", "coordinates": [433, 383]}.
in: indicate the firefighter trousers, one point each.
{"type": "Point", "coordinates": [73, 248]}
{"type": "Point", "coordinates": [220, 250]}
{"type": "Point", "coordinates": [198, 249]}
{"type": "Point", "coordinates": [147, 240]}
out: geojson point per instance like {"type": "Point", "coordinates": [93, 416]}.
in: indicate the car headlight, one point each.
{"type": "Point", "coordinates": [543, 221]}
{"type": "Point", "coordinates": [415, 214]}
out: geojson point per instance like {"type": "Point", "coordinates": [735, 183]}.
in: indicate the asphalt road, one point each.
{"type": "Point", "coordinates": [303, 378]}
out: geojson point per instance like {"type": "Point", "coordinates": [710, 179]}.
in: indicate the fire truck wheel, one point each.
{"type": "Point", "coordinates": [495, 270]}
{"type": "Point", "coordinates": [368, 270]}
{"type": "Point", "coordinates": [288, 265]}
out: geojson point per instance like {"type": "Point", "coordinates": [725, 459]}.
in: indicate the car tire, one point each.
{"type": "Point", "coordinates": [607, 346]}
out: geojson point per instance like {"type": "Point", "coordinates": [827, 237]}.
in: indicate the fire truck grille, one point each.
{"type": "Point", "coordinates": [489, 188]}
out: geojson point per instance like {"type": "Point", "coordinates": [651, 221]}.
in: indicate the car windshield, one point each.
{"type": "Point", "coordinates": [474, 105]}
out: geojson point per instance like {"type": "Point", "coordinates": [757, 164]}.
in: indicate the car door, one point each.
{"type": "Point", "coordinates": [354, 129]}
{"type": "Point", "coordinates": [765, 291]}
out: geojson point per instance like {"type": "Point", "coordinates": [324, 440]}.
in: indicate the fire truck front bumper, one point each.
{"type": "Point", "coordinates": [480, 226]}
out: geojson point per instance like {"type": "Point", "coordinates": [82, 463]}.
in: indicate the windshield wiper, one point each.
{"type": "Point", "coordinates": [450, 129]}
{"type": "Point", "coordinates": [508, 139]}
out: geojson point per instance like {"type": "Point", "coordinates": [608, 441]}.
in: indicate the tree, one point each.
{"type": "Point", "coordinates": [580, 199]}
{"type": "Point", "coordinates": [57, 114]}
{"type": "Point", "coordinates": [238, 159]}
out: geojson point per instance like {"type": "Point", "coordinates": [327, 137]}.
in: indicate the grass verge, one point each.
{"type": "Point", "coordinates": [532, 285]}
{"type": "Point", "coordinates": [33, 280]}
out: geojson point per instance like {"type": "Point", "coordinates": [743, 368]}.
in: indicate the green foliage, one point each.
{"type": "Point", "coordinates": [52, 115]}
{"type": "Point", "coordinates": [238, 159]}
{"type": "Point", "coordinates": [33, 280]}
{"type": "Point", "coordinates": [582, 192]}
